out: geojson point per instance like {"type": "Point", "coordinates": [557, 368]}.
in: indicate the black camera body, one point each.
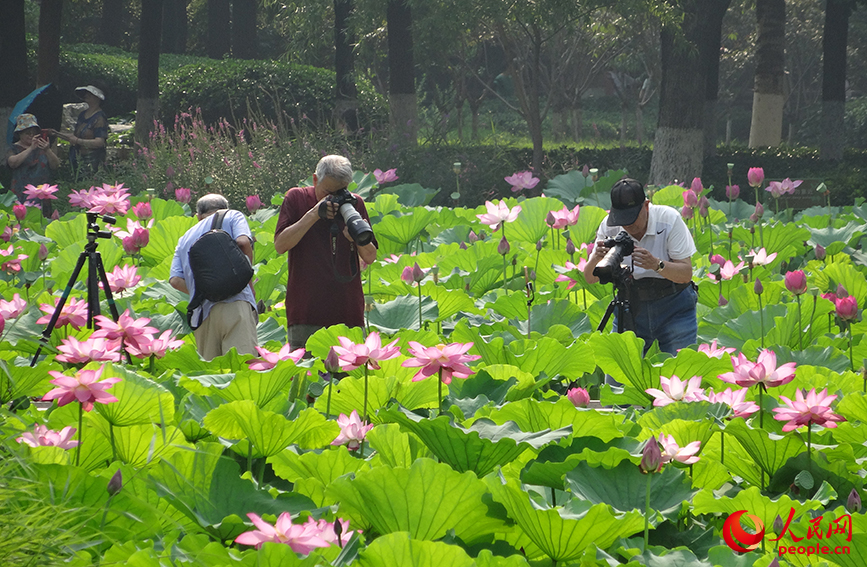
{"type": "Point", "coordinates": [609, 270]}
{"type": "Point", "coordinates": [359, 229]}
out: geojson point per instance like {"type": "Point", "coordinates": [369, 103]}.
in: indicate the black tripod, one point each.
{"type": "Point", "coordinates": [625, 322]}
{"type": "Point", "coordinates": [95, 274]}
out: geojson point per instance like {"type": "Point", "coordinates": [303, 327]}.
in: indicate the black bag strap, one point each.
{"type": "Point", "coordinates": [217, 223]}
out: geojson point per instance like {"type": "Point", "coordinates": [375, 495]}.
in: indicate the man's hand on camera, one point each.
{"type": "Point", "coordinates": [599, 251]}
{"type": "Point", "coordinates": [346, 234]}
{"type": "Point", "coordinates": [644, 259]}
{"type": "Point", "coordinates": [331, 209]}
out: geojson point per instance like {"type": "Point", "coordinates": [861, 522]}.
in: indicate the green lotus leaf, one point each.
{"type": "Point", "coordinates": [469, 260]}
{"type": "Point", "coordinates": [163, 209]}
{"type": "Point", "coordinates": [689, 363]}
{"type": "Point", "coordinates": [625, 488]}
{"type": "Point", "coordinates": [268, 277]}
{"type": "Point", "coordinates": [383, 204]}
{"type": "Point", "coordinates": [710, 473]}
{"type": "Point", "coordinates": [427, 500]}
{"type": "Point", "coordinates": [734, 333]}
{"type": "Point", "coordinates": [658, 417]}
{"type": "Point", "coordinates": [853, 407]}
{"type": "Point", "coordinates": [140, 445]}
{"type": "Point", "coordinates": [139, 399]}
{"type": "Point", "coordinates": [406, 227]}
{"type": "Point", "coordinates": [402, 313]}
{"type": "Point", "coordinates": [448, 301]}
{"type": "Point", "coordinates": [323, 466]}
{"type": "Point", "coordinates": [322, 340]}
{"type": "Point", "coordinates": [270, 433]}
{"type": "Point", "coordinates": [683, 431]}
{"type": "Point", "coordinates": [17, 381]}
{"type": "Point", "coordinates": [561, 534]}
{"type": "Point", "coordinates": [410, 194]}
{"type": "Point", "coordinates": [276, 555]}
{"type": "Point", "coordinates": [543, 316]}
{"type": "Point", "coordinates": [480, 448]}
{"type": "Point", "coordinates": [568, 186]}
{"type": "Point", "coordinates": [550, 357]}
{"type": "Point", "coordinates": [533, 415]}
{"type": "Point", "coordinates": [768, 450]}
{"type": "Point", "coordinates": [752, 500]}
{"type": "Point", "coordinates": [554, 461]}
{"type": "Point", "coordinates": [775, 237]}
{"type": "Point", "coordinates": [348, 395]}
{"type": "Point", "coordinates": [260, 387]}
{"type": "Point", "coordinates": [207, 488]}
{"type": "Point", "coordinates": [530, 225]}
{"type": "Point", "coordinates": [67, 257]}
{"type": "Point", "coordinates": [164, 238]}
{"type": "Point", "coordinates": [163, 292]}
{"type": "Point", "coordinates": [396, 448]}
{"type": "Point", "coordinates": [67, 232]}
{"type": "Point", "coordinates": [836, 273]}
{"type": "Point", "coordinates": [401, 549]}
{"type": "Point", "coordinates": [621, 356]}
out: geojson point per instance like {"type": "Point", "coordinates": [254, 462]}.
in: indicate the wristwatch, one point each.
{"type": "Point", "coordinates": [660, 266]}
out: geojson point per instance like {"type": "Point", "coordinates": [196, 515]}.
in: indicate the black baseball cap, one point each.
{"type": "Point", "coordinates": [627, 198]}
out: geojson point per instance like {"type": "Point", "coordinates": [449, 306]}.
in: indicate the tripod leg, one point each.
{"type": "Point", "coordinates": [105, 287]}
{"type": "Point", "coordinates": [92, 290]}
{"type": "Point", "coordinates": [46, 334]}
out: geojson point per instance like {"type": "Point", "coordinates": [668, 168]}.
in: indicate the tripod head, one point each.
{"type": "Point", "coordinates": [93, 230]}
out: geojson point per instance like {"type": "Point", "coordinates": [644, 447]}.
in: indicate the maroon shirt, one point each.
{"type": "Point", "coordinates": [313, 294]}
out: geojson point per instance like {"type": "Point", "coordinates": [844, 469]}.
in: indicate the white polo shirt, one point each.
{"type": "Point", "coordinates": [667, 238]}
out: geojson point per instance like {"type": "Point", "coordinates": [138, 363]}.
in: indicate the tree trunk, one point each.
{"type": "Point", "coordinates": [219, 28]}
{"type": "Point", "coordinates": [346, 95]}
{"type": "Point", "coordinates": [175, 26]}
{"type": "Point", "coordinates": [834, 41]}
{"type": "Point", "coordinates": [677, 149]}
{"type": "Point", "coordinates": [148, 103]}
{"type": "Point", "coordinates": [401, 74]}
{"type": "Point", "coordinates": [578, 122]}
{"type": "Point", "coordinates": [111, 23]}
{"type": "Point", "coordinates": [244, 42]}
{"type": "Point", "coordinates": [48, 57]}
{"type": "Point", "coordinates": [13, 64]}
{"type": "Point", "coordinates": [766, 126]}
{"type": "Point", "coordinates": [709, 50]}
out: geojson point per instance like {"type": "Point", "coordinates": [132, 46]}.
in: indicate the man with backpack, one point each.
{"type": "Point", "coordinates": [217, 263]}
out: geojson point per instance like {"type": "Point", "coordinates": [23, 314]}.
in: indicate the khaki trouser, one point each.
{"type": "Point", "coordinates": [227, 325]}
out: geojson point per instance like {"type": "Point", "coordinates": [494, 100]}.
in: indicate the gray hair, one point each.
{"type": "Point", "coordinates": [335, 167]}
{"type": "Point", "coordinates": [211, 203]}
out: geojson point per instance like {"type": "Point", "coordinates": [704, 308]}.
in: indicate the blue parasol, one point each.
{"type": "Point", "coordinates": [21, 107]}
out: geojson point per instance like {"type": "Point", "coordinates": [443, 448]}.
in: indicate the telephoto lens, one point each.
{"type": "Point", "coordinates": [609, 270]}
{"type": "Point", "coordinates": [359, 229]}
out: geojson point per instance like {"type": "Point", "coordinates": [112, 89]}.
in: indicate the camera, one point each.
{"type": "Point", "coordinates": [359, 229]}
{"type": "Point", "coordinates": [609, 270]}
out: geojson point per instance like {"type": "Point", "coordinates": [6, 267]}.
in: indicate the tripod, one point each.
{"type": "Point", "coordinates": [625, 322]}
{"type": "Point", "coordinates": [95, 274]}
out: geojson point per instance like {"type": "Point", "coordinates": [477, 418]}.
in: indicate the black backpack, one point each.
{"type": "Point", "coordinates": [220, 269]}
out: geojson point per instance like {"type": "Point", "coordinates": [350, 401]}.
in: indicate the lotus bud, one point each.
{"type": "Point", "coordinates": [757, 287]}
{"type": "Point", "coordinates": [687, 212]}
{"type": "Point", "coordinates": [473, 237]}
{"type": "Point", "coordinates": [722, 302]}
{"type": "Point", "coordinates": [756, 175]}
{"type": "Point", "coordinates": [332, 361]}
{"type": "Point", "coordinates": [55, 215]}
{"type": "Point", "coordinates": [796, 282]}
{"type": "Point", "coordinates": [170, 171]}
{"type": "Point", "coordinates": [718, 260]}
{"type": "Point", "coordinates": [338, 531]}
{"type": "Point", "coordinates": [539, 245]}
{"type": "Point", "coordinates": [550, 219]}
{"type": "Point", "coordinates": [43, 252]}
{"type": "Point", "coordinates": [182, 195]}
{"type": "Point", "coordinates": [696, 185]}
{"type": "Point", "coordinates": [853, 503]}
{"type": "Point", "coordinates": [463, 246]}
{"type": "Point", "coordinates": [570, 246]}
{"type": "Point", "coordinates": [775, 562]}
{"type": "Point", "coordinates": [778, 525]}
{"type": "Point", "coordinates": [760, 211]}
{"type": "Point", "coordinates": [651, 457]}
{"type": "Point", "coordinates": [820, 252]}
{"type": "Point", "coordinates": [254, 203]}
{"type": "Point", "coordinates": [115, 484]}
{"type": "Point", "coordinates": [847, 308]}
{"type": "Point", "coordinates": [503, 247]}
{"type": "Point", "coordinates": [690, 198]}
{"type": "Point", "coordinates": [579, 397]}
{"type": "Point", "coordinates": [20, 211]}
{"type": "Point", "coordinates": [732, 192]}
{"type": "Point", "coordinates": [841, 291]}
{"type": "Point", "coordinates": [585, 171]}
{"type": "Point", "coordinates": [532, 275]}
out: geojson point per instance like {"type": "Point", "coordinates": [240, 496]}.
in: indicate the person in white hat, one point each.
{"type": "Point", "coordinates": [30, 157]}
{"type": "Point", "coordinates": [87, 140]}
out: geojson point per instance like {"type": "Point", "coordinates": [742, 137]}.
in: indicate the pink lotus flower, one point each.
{"type": "Point", "coordinates": [370, 352]}
{"type": "Point", "coordinates": [570, 266]}
{"type": "Point", "coordinates": [14, 308]}
{"type": "Point", "coordinates": [12, 265]}
{"type": "Point", "coordinates": [44, 437]}
{"type": "Point", "coordinates": [326, 531]}
{"type": "Point", "coordinates": [254, 203]}
{"type": "Point", "coordinates": [671, 451]}
{"type": "Point", "coordinates": [85, 387]}
{"type": "Point", "coordinates": [820, 252]}
{"type": "Point", "coordinates": [713, 351]}
{"type": "Point", "coordinates": [20, 211]}
{"type": "Point", "coordinates": [122, 278]}
{"type": "Point", "coordinates": [385, 176]}
{"type": "Point", "coordinates": [808, 409]}
{"type": "Point", "coordinates": [412, 274]}
{"type": "Point", "coordinates": [729, 270]}
{"type": "Point", "coordinates": [522, 180]}
{"type": "Point", "coordinates": [564, 217]}
{"type": "Point", "coordinates": [732, 192]}
{"type": "Point", "coordinates": [579, 397]}
{"type": "Point", "coordinates": [736, 400]}
{"type": "Point", "coordinates": [39, 192]}
{"type": "Point", "coordinates": [690, 199]}
{"type": "Point", "coordinates": [270, 359]}
{"type": "Point", "coordinates": [759, 212]}
{"type": "Point", "coordinates": [764, 371]}
{"type": "Point", "coordinates": [302, 538]}
{"type": "Point", "coordinates": [352, 431]}
{"type": "Point", "coordinates": [498, 214]}
{"type": "Point", "coordinates": [796, 282]}
{"type": "Point", "coordinates": [696, 186]}
{"type": "Point", "coordinates": [74, 313]}
{"type": "Point", "coordinates": [847, 308]}
{"type": "Point", "coordinates": [182, 195]}
{"type": "Point", "coordinates": [780, 188]}
{"type": "Point", "coordinates": [449, 359]}
{"type": "Point", "coordinates": [391, 259]}
{"type": "Point", "coordinates": [83, 198]}
{"type": "Point", "coordinates": [142, 211]}
{"type": "Point", "coordinates": [676, 390]}
{"type": "Point", "coordinates": [135, 237]}
{"type": "Point", "coordinates": [73, 351]}
{"type": "Point", "coordinates": [718, 260]}
{"type": "Point", "coordinates": [756, 175]}
{"type": "Point", "coordinates": [113, 199]}
{"type": "Point", "coordinates": [157, 347]}
{"type": "Point", "coordinates": [761, 257]}
{"type": "Point", "coordinates": [130, 330]}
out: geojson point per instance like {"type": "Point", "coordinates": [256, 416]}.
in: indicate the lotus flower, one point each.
{"type": "Point", "coordinates": [352, 431]}
{"type": "Point", "coordinates": [579, 397]}
{"type": "Point", "coordinates": [142, 211]}
{"type": "Point", "coordinates": [44, 437]}
{"type": "Point", "coordinates": [847, 308]}
{"type": "Point", "coordinates": [796, 282]}
{"type": "Point", "coordinates": [130, 330]}
{"type": "Point", "coordinates": [764, 371]}
{"type": "Point", "coordinates": [74, 313]}
{"type": "Point", "coordinates": [20, 211]}
{"type": "Point", "coordinates": [73, 351]}
{"type": "Point", "coordinates": [369, 353]}
{"type": "Point", "coordinates": [112, 200]}
{"type": "Point", "coordinates": [675, 390]}
{"type": "Point", "coordinates": [713, 351]}
{"type": "Point", "coordinates": [756, 175]}
{"type": "Point", "coordinates": [696, 186]}
{"type": "Point", "coordinates": [412, 274]}
{"type": "Point", "coordinates": [14, 308]}
{"type": "Point", "coordinates": [690, 199]}
{"type": "Point", "coordinates": [498, 214]}
{"type": "Point", "coordinates": [732, 192]}
{"type": "Point", "coordinates": [122, 278]}
{"type": "Point", "coordinates": [182, 195]}
{"type": "Point", "coordinates": [135, 237]}
{"type": "Point", "coordinates": [270, 359]}
{"type": "Point", "coordinates": [761, 257]}
{"type": "Point", "coordinates": [780, 188]}
{"type": "Point", "coordinates": [254, 203]}
{"type": "Point", "coordinates": [385, 176]}
{"type": "Point", "coordinates": [570, 266]}
{"type": "Point", "coordinates": [156, 347]}
{"type": "Point", "coordinates": [39, 192]}
{"type": "Point", "coordinates": [449, 359]}
{"type": "Point", "coordinates": [735, 399]}
{"type": "Point", "coordinates": [12, 265]}
{"type": "Point", "coordinates": [85, 387]}
{"type": "Point", "coordinates": [328, 531]}
{"type": "Point", "coordinates": [759, 212]}
{"type": "Point", "coordinates": [687, 212]}
{"type": "Point", "coordinates": [808, 408]}
{"type": "Point", "coordinates": [522, 180]}
{"type": "Point", "coordinates": [564, 217]}
{"type": "Point", "coordinates": [302, 538]}
{"type": "Point", "coordinates": [671, 451]}
{"type": "Point", "coordinates": [729, 270]}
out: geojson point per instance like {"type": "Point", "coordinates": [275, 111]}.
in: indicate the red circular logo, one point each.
{"type": "Point", "coordinates": [737, 538]}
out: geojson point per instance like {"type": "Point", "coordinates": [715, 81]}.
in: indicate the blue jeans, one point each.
{"type": "Point", "coordinates": [670, 320]}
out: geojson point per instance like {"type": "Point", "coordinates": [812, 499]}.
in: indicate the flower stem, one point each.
{"type": "Point", "coordinates": [800, 325]}
{"type": "Point", "coordinates": [440, 391]}
{"type": "Point", "coordinates": [849, 332]}
{"type": "Point", "coordinates": [809, 447]}
{"type": "Point", "coordinates": [647, 511]}
{"type": "Point", "coordinates": [365, 392]}
{"type": "Point", "coordinates": [762, 321]}
{"type": "Point", "coordinates": [722, 447]}
{"type": "Point", "coordinates": [761, 409]}
{"type": "Point", "coordinates": [80, 434]}
{"type": "Point", "coordinates": [419, 307]}
{"type": "Point", "coordinates": [328, 400]}
{"type": "Point", "coordinates": [113, 449]}
{"type": "Point", "coordinates": [505, 277]}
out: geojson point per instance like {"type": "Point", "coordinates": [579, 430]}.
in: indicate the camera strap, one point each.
{"type": "Point", "coordinates": [353, 257]}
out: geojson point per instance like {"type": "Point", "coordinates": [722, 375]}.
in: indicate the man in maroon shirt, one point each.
{"type": "Point", "coordinates": [316, 296]}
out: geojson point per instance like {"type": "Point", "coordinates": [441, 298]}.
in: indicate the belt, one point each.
{"type": "Point", "coordinates": [651, 289]}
